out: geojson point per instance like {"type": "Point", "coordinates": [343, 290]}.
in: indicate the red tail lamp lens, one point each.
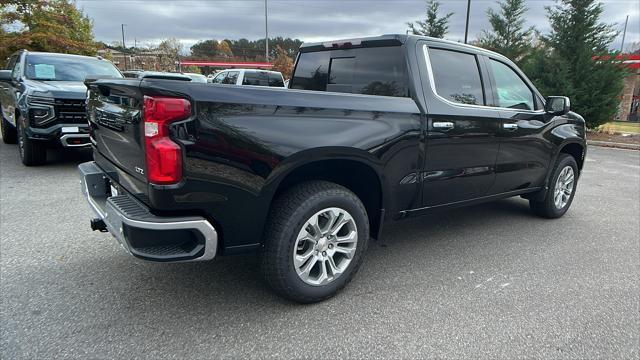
{"type": "Point", "coordinates": [163, 155]}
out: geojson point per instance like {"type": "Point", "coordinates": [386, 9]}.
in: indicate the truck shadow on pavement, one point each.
{"type": "Point", "coordinates": [229, 284]}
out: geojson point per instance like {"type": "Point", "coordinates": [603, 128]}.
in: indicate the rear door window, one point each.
{"type": "Point", "coordinates": [456, 76]}
{"type": "Point", "coordinates": [275, 80]}
{"type": "Point", "coordinates": [256, 78]}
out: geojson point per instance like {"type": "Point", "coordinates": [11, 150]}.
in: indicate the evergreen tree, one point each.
{"type": "Point", "coordinates": [508, 35]}
{"type": "Point", "coordinates": [206, 49]}
{"type": "Point", "coordinates": [575, 61]}
{"type": "Point", "coordinates": [433, 25]}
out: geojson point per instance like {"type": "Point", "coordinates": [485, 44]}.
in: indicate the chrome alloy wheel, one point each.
{"type": "Point", "coordinates": [325, 246]}
{"type": "Point", "coordinates": [564, 187]}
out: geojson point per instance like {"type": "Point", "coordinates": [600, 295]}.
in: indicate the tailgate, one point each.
{"type": "Point", "coordinates": [115, 116]}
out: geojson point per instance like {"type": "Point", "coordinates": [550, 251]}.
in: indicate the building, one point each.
{"type": "Point", "coordinates": [630, 101]}
{"type": "Point", "coordinates": [142, 60]}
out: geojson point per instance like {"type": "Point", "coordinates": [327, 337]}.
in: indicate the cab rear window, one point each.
{"type": "Point", "coordinates": [371, 71]}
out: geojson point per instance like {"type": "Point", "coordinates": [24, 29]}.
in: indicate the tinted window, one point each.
{"type": "Point", "coordinates": [456, 76]}
{"type": "Point", "coordinates": [67, 68]}
{"type": "Point", "coordinates": [256, 78]}
{"type": "Point", "coordinates": [17, 69]}
{"type": "Point", "coordinates": [11, 62]}
{"type": "Point", "coordinates": [232, 78]}
{"type": "Point", "coordinates": [275, 80]}
{"type": "Point", "coordinates": [371, 71]}
{"type": "Point", "coordinates": [511, 89]}
{"type": "Point", "coordinates": [312, 71]}
{"type": "Point", "coordinates": [380, 71]}
{"type": "Point", "coordinates": [218, 78]}
{"type": "Point", "coordinates": [342, 70]}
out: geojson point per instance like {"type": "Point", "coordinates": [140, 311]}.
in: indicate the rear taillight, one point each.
{"type": "Point", "coordinates": [163, 155]}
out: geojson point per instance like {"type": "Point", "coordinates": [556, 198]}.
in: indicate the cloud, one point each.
{"type": "Point", "coordinates": [150, 21]}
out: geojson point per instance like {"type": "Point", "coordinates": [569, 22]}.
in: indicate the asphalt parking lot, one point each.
{"type": "Point", "coordinates": [490, 281]}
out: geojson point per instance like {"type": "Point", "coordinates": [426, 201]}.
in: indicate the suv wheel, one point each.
{"type": "Point", "coordinates": [315, 241]}
{"type": "Point", "coordinates": [562, 188]}
{"type": "Point", "coordinates": [31, 152]}
{"type": "Point", "coordinates": [9, 133]}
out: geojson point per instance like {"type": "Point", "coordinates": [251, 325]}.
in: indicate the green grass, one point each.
{"type": "Point", "coordinates": [621, 127]}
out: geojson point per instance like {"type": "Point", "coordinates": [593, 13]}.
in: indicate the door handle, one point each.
{"type": "Point", "coordinates": [443, 125]}
{"type": "Point", "coordinates": [510, 126]}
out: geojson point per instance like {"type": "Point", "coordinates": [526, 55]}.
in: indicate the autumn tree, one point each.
{"type": "Point", "coordinates": [434, 25]}
{"type": "Point", "coordinates": [508, 35]}
{"type": "Point", "coordinates": [283, 63]}
{"type": "Point", "coordinates": [45, 25]}
{"type": "Point", "coordinates": [224, 49]}
{"type": "Point", "coordinates": [169, 51]}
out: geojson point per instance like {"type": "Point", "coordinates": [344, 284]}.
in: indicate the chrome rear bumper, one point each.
{"type": "Point", "coordinates": [142, 234]}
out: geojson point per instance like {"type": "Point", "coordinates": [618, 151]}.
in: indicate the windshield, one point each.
{"type": "Point", "coordinates": [67, 68]}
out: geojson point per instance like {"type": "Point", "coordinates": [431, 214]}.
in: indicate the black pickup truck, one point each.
{"type": "Point", "coordinates": [42, 96]}
{"type": "Point", "coordinates": [371, 130]}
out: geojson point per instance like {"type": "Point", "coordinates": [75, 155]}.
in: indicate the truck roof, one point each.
{"type": "Point", "coordinates": [385, 40]}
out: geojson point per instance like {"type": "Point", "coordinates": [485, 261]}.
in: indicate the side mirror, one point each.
{"type": "Point", "coordinates": [557, 105]}
{"type": "Point", "coordinates": [5, 75]}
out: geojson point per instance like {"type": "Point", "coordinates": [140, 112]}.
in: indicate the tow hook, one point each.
{"type": "Point", "coordinates": [98, 224]}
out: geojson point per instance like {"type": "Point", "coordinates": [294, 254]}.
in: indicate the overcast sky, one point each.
{"type": "Point", "coordinates": [149, 21]}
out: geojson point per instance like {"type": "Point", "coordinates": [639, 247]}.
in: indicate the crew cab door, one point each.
{"type": "Point", "coordinates": [9, 92]}
{"type": "Point", "coordinates": [461, 141]}
{"type": "Point", "coordinates": [525, 154]}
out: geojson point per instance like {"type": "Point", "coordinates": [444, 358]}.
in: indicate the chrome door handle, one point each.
{"type": "Point", "coordinates": [443, 125]}
{"type": "Point", "coordinates": [510, 126]}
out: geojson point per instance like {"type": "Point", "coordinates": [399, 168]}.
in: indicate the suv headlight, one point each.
{"type": "Point", "coordinates": [41, 110]}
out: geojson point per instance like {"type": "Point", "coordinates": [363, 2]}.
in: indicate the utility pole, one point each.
{"type": "Point", "coordinates": [624, 34]}
{"type": "Point", "coordinates": [124, 48]}
{"type": "Point", "coordinates": [466, 27]}
{"type": "Point", "coordinates": [266, 32]}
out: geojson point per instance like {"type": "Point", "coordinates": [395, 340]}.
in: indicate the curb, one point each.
{"type": "Point", "coordinates": [614, 145]}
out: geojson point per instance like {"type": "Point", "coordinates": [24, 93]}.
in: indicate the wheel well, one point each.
{"type": "Point", "coordinates": [575, 150]}
{"type": "Point", "coordinates": [361, 179]}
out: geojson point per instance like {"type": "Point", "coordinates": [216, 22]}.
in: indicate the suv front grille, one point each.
{"type": "Point", "coordinates": [70, 111]}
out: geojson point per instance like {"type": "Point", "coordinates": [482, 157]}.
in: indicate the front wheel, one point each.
{"type": "Point", "coordinates": [9, 133]}
{"type": "Point", "coordinates": [315, 241]}
{"type": "Point", "coordinates": [31, 152]}
{"type": "Point", "coordinates": [562, 189]}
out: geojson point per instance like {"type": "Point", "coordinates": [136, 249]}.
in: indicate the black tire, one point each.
{"type": "Point", "coordinates": [32, 153]}
{"type": "Point", "coordinates": [546, 207]}
{"type": "Point", "coordinates": [289, 213]}
{"type": "Point", "coordinates": [9, 133]}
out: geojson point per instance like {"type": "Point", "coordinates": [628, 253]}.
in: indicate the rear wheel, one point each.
{"type": "Point", "coordinates": [559, 196]}
{"type": "Point", "coordinates": [31, 152]}
{"type": "Point", "coordinates": [9, 133]}
{"type": "Point", "coordinates": [315, 240]}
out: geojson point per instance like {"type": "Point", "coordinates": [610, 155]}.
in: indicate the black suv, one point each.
{"type": "Point", "coordinates": [42, 96]}
{"type": "Point", "coordinates": [373, 130]}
